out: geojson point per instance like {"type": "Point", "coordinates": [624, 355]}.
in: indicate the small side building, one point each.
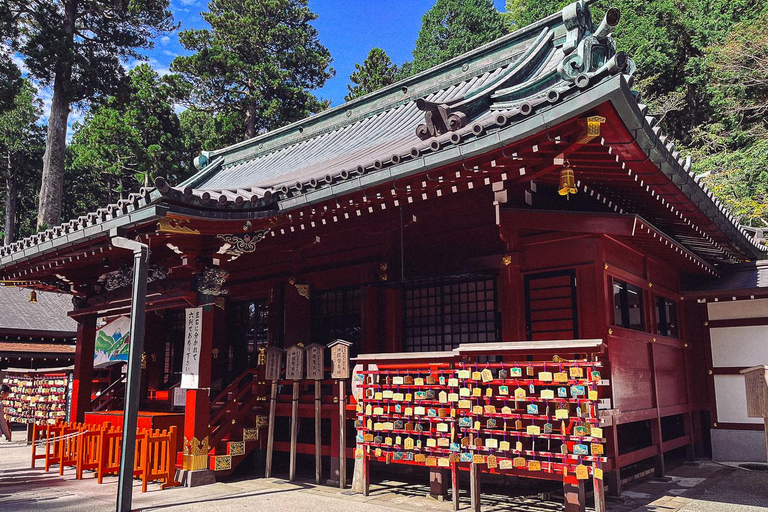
{"type": "Point", "coordinates": [35, 333]}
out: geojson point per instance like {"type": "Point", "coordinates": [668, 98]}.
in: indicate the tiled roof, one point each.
{"type": "Point", "coordinates": [49, 314]}
{"type": "Point", "coordinates": [474, 98]}
{"type": "Point", "coordinates": [746, 276]}
{"type": "Point", "coordinates": [37, 348]}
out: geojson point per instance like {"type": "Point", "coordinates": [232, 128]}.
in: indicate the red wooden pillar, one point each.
{"type": "Point", "coordinates": [197, 412]}
{"type": "Point", "coordinates": [83, 374]}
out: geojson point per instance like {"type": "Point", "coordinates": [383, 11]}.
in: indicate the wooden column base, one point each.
{"type": "Point", "coordinates": [575, 499]}
{"type": "Point", "coordinates": [438, 483]}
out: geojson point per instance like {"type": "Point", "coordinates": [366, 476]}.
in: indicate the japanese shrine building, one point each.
{"type": "Point", "coordinates": [517, 192]}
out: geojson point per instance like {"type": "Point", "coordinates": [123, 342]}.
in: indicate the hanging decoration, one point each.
{"type": "Point", "coordinates": [567, 181]}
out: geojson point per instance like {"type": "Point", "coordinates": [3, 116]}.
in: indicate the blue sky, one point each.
{"type": "Point", "coordinates": [348, 28]}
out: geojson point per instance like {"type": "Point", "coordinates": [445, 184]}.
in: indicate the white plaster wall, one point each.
{"type": "Point", "coordinates": [739, 346]}
{"type": "Point", "coordinates": [731, 399]}
{"type": "Point", "coordinates": [726, 310]}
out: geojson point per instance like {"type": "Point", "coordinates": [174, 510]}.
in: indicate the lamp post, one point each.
{"type": "Point", "coordinates": [130, 417]}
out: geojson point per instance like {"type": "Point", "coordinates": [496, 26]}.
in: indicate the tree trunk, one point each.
{"type": "Point", "coordinates": [52, 186]}
{"type": "Point", "coordinates": [11, 202]}
{"type": "Point", "coordinates": [250, 122]}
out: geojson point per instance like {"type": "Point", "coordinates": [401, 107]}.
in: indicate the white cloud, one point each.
{"type": "Point", "coordinates": [188, 2]}
{"type": "Point", "coordinates": [155, 64]}
{"type": "Point", "coordinates": [170, 53]}
{"type": "Point", "coordinates": [165, 40]}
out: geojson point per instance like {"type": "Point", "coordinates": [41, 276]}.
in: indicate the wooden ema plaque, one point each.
{"type": "Point", "coordinates": [517, 417]}
{"type": "Point", "coordinates": [315, 361]}
{"type": "Point", "coordinates": [294, 363]}
{"type": "Point", "coordinates": [340, 359]}
{"type": "Point", "coordinates": [274, 363]}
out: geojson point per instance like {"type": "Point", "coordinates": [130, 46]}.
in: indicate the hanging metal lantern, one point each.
{"type": "Point", "coordinates": [567, 181]}
{"type": "Point", "coordinates": [33, 297]}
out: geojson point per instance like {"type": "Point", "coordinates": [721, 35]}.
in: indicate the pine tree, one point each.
{"type": "Point", "coordinates": [259, 58]}
{"type": "Point", "coordinates": [21, 150]}
{"type": "Point", "coordinates": [376, 72]}
{"type": "Point", "coordinates": [453, 27]}
{"type": "Point", "coordinates": [76, 47]}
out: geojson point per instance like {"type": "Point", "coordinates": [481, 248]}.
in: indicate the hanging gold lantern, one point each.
{"type": "Point", "coordinates": [567, 181]}
{"type": "Point", "coordinates": [33, 297]}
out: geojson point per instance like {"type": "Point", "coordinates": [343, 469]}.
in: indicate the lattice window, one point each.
{"type": "Point", "coordinates": [550, 305]}
{"type": "Point", "coordinates": [336, 315]}
{"type": "Point", "coordinates": [443, 314]}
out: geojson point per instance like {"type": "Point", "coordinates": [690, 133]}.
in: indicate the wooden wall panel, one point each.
{"type": "Point", "coordinates": [620, 256]}
{"type": "Point", "coordinates": [630, 374]}
{"type": "Point", "coordinates": [670, 375]}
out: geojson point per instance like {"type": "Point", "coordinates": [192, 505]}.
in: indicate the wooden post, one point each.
{"type": "Point", "coordinates": [474, 488]}
{"type": "Point", "coordinates": [83, 372]}
{"type": "Point", "coordinates": [316, 372]}
{"type": "Point", "coordinates": [438, 483]}
{"type": "Point", "coordinates": [340, 370]}
{"type": "Point", "coordinates": [765, 420]}
{"type": "Point", "coordinates": [271, 429]}
{"type": "Point", "coordinates": [599, 489]}
{"type": "Point", "coordinates": [366, 475]}
{"type": "Point", "coordinates": [574, 496]}
{"type": "Point", "coordinates": [455, 486]}
{"type": "Point", "coordinates": [318, 436]}
{"type": "Point", "coordinates": [294, 430]}
{"type": "Point", "coordinates": [342, 437]}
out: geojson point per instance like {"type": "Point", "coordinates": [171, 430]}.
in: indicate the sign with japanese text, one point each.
{"type": "Point", "coordinates": [315, 361]}
{"type": "Point", "coordinates": [340, 359]}
{"type": "Point", "coordinates": [294, 363]}
{"type": "Point", "coordinates": [190, 367]}
{"type": "Point", "coordinates": [274, 362]}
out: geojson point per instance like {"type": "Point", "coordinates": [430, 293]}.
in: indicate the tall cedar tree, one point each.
{"type": "Point", "coordinates": [129, 140]}
{"type": "Point", "coordinates": [453, 27]}
{"type": "Point", "coordinates": [376, 72]}
{"type": "Point", "coordinates": [76, 46]}
{"type": "Point", "coordinates": [21, 151]}
{"type": "Point", "coordinates": [260, 58]}
{"type": "Point", "coordinates": [10, 74]}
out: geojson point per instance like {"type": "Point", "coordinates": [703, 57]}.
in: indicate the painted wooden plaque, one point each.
{"type": "Point", "coordinates": [340, 359]}
{"type": "Point", "coordinates": [274, 362]}
{"type": "Point", "coordinates": [294, 363]}
{"type": "Point", "coordinates": [315, 361]}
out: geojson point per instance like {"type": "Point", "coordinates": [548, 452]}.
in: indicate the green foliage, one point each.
{"type": "Point", "coordinates": [81, 43]}
{"type": "Point", "coordinates": [129, 140]}
{"type": "Point", "coordinates": [520, 13]}
{"type": "Point", "coordinates": [201, 130]}
{"type": "Point", "coordinates": [259, 58]}
{"type": "Point", "coordinates": [453, 27]}
{"type": "Point", "coordinates": [376, 72]}
{"type": "Point", "coordinates": [10, 74]}
{"type": "Point", "coordinates": [21, 152]}
{"type": "Point", "coordinates": [732, 151]}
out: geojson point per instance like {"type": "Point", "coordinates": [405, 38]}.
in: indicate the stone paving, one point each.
{"type": "Point", "coordinates": [704, 487]}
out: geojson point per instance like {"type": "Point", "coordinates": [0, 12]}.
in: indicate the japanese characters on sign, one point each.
{"type": "Point", "coordinates": [274, 362]}
{"type": "Point", "coordinates": [190, 367]}
{"type": "Point", "coordinates": [315, 361]}
{"type": "Point", "coordinates": [340, 359]}
{"type": "Point", "coordinates": [294, 362]}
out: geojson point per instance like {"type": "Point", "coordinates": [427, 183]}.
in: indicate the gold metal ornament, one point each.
{"type": "Point", "coordinates": [567, 181]}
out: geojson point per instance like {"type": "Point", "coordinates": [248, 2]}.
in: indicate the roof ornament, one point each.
{"type": "Point", "coordinates": [590, 51]}
{"type": "Point", "coordinates": [440, 119]}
